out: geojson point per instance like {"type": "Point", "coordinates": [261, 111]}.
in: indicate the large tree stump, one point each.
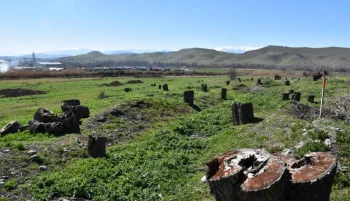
{"type": "Point", "coordinates": [11, 127]}
{"type": "Point", "coordinates": [204, 88]}
{"type": "Point", "coordinates": [228, 82]}
{"type": "Point", "coordinates": [82, 112]}
{"type": "Point", "coordinates": [285, 96]}
{"type": "Point", "coordinates": [277, 77]}
{"type": "Point", "coordinates": [97, 146]}
{"type": "Point", "coordinates": [311, 98]}
{"type": "Point", "coordinates": [296, 96]}
{"type": "Point", "coordinates": [55, 128]}
{"type": "Point", "coordinates": [247, 175]}
{"type": "Point", "coordinates": [44, 115]}
{"type": "Point", "coordinates": [287, 83]}
{"type": "Point", "coordinates": [312, 177]}
{"type": "Point", "coordinates": [223, 93]}
{"type": "Point", "coordinates": [165, 87]}
{"type": "Point", "coordinates": [242, 113]}
{"type": "Point", "coordinates": [188, 97]}
{"type": "Point", "coordinates": [67, 105]}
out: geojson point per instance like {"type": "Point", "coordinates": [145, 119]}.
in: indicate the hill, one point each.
{"type": "Point", "coordinates": [268, 57]}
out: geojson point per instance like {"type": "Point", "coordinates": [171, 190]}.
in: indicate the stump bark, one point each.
{"type": "Point", "coordinates": [242, 113]}
{"type": "Point", "coordinates": [127, 89]}
{"type": "Point", "coordinates": [223, 93]}
{"type": "Point", "coordinates": [296, 96]}
{"type": "Point", "coordinates": [165, 87]}
{"type": "Point", "coordinates": [204, 88]}
{"type": "Point", "coordinates": [188, 97]}
{"type": "Point", "coordinates": [311, 98]}
{"type": "Point", "coordinates": [159, 86]}
{"type": "Point", "coordinates": [247, 175]}
{"type": "Point", "coordinates": [287, 83]}
{"type": "Point", "coordinates": [285, 96]}
{"type": "Point", "coordinates": [82, 112]}
{"type": "Point", "coordinates": [258, 82]}
{"type": "Point", "coordinates": [97, 146]}
{"type": "Point", "coordinates": [11, 127]}
{"type": "Point", "coordinates": [312, 177]}
{"type": "Point", "coordinates": [228, 82]}
{"type": "Point", "coordinates": [44, 115]}
{"type": "Point", "coordinates": [239, 79]}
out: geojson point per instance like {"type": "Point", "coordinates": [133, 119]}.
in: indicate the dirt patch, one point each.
{"type": "Point", "coordinates": [134, 82]}
{"type": "Point", "coordinates": [123, 122]}
{"type": "Point", "coordinates": [4, 93]}
{"type": "Point", "coordinates": [113, 84]}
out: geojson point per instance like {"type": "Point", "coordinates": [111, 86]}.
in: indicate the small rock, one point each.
{"type": "Point", "coordinates": [5, 178]}
{"type": "Point", "coordinates": [1, 183]}
{"type": "Point", "coordinates": [304, 129]}
{"type": "Point", "coordinates": [43, 167]}
{"type": "Point", "coordinates": [204, 179]}
{"type": "Point", "coordinates": [327, 142]}
{"type": "Point", "coordinates": [32, 152]}
{"type": "Point", "coordinates": [299, 145]}
{"type": "Point", "coordinates": [6, 151]}
{"type": "Point", "coordinates": [35, 158]}
{"type": "Point", "coordinates": [2, 180]}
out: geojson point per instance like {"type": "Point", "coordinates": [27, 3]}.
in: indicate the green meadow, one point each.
{"type": "Point", "coordinates": [159, 151]}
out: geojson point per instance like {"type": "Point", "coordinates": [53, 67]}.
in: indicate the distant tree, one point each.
{"type": "Point", "coordinates": [232, 73]}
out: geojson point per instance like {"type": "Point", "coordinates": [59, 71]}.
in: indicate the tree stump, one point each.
{"type": "Point", "coordinates": [312, 177]}
{"type": "Point", "coordinates": [188, 97]}
{"type": "Point", "coordinates": [287, 83]}
{"type": "Point", "coordinates": [247, 175]}
{"type": "Point", "coordinates": [228, 82]}
{"type": "Point", "coordinates": [204, 88]}
{"type": "Point", "coordinates": [311, 98]}
{"type": "Point", "coordinates": [67, 105]}
{"type": "Point", "coordinates": [35, 127]}
{"type": "Point", "coordinates": [291, 91]}
{"type": "Point", "coordinates": [239, 79]}
{"type": "Point", "coordinates": [258, 81]}
{"type": "Point", "coordinates": [127, 89]}
{"type": "Point", "coordinates": [165, 87]}
{"type": "Point", "coordinates": [252, 79]}
{"type": "Point", "coordinates": [11, 127]}
{"type": "Point", "coordinates": [159, 86]}
{"type": "Point", "coordinates": [44, 115]}
{"type": "Point", "coordinates": [296, 96]}
{"type": "Point", "coordinates": [223, 93]}
{"type": "Point", "coordinates": [82, 112]}
{"type": "Point", "coordinates": [97, 146]}
{"type": "Point", "coordinates": [242, 113]}
{"type": "Point", "coordinates": [285, 96]}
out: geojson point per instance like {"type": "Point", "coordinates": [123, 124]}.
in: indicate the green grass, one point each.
{"type": "Point", "coordinates": [162, 162]}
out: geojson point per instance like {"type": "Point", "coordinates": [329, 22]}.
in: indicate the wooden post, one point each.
{"type": "Point", "coordinates": [188, 97]}
{"type": "Point", "coordinates": [322, 97]}
{"type": "Point", "coordinates": [223, 93]}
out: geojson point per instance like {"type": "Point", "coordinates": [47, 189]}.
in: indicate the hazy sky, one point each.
{"type": "Point", "coordinates": [45, 25]}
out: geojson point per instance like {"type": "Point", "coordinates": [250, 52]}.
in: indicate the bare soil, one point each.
{"type": "Point", "coordinates": [4, 93]}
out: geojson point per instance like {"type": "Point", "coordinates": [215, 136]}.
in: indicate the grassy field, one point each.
{"type": "Point", "coordinates": [157, 150]}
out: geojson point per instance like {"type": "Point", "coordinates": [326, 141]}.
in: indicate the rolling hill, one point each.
{"type": "Point", "coordinates": [268, 57]}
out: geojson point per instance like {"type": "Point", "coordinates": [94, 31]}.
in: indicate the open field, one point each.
{"type": "Point", "coordinates": [158, 147]}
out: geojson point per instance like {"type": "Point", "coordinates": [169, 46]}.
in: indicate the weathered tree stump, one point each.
{"type": "Point", "coordinates": [311, 98]}
{"type": "Point", "coordinates": [277, 77]}
{"type": "Point", "coordinates": [188, 97]}
{"type": "Point", "coordinates": [258, 81]}
{"type": "Point", "coordinates": [70, 122]}
{"type": "Point", "coordinates": [296, 96]}
{"type": "Point", "coordinates": [11, 127]}
{"type": "Point", "coordinates": [316, 76]}
{"type": "Point", "coordinates": [247, 175]}
{"type": "Point", "coordinates": [252, 79]}
{"type": "Point", "coordinates": [287, 83]}
{"type": "Point", "coordinates": [223, 93]}
{"type": "Point", "coordinates": [127, 89]}
{"type": "Point", "coordinates": [35, 127]}
{"type": "Point", "coordinates": [82, 112]}
{"type": "Point", "coordinates": [44, 115]}
{"type": "Point", "coordinates": [312, 177]}
{"type": "Point", "coordinates": [291, 91]}
{"type": "Point", "coordinates": [165, 87]}
{"type": "Point", "coordinates": [67, 105]}
{"type": "Point", "coordinates": [285, 96]}
{"type": "Point", "coordinates": [159, 86]}
{"type": "Point", "coordinates": [228, 82]}
{"type": "Point", "coordinates": [97, 146]}
{"type": "Point", "coordinates": [239, 79]}
{"type": "Point", "coordinates": [242, 113]}
{"type": "Point", "coordinates": [204, 88]}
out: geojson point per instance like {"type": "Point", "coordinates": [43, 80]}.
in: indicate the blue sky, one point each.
{"type": "Point", "coordinates": [47, 25]}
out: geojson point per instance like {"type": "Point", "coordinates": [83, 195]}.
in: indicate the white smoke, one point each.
{"type": "Point", "coordinates": [5, 66]}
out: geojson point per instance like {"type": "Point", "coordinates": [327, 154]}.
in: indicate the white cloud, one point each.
{"type": "Point", "coordinates": [237, 49]}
